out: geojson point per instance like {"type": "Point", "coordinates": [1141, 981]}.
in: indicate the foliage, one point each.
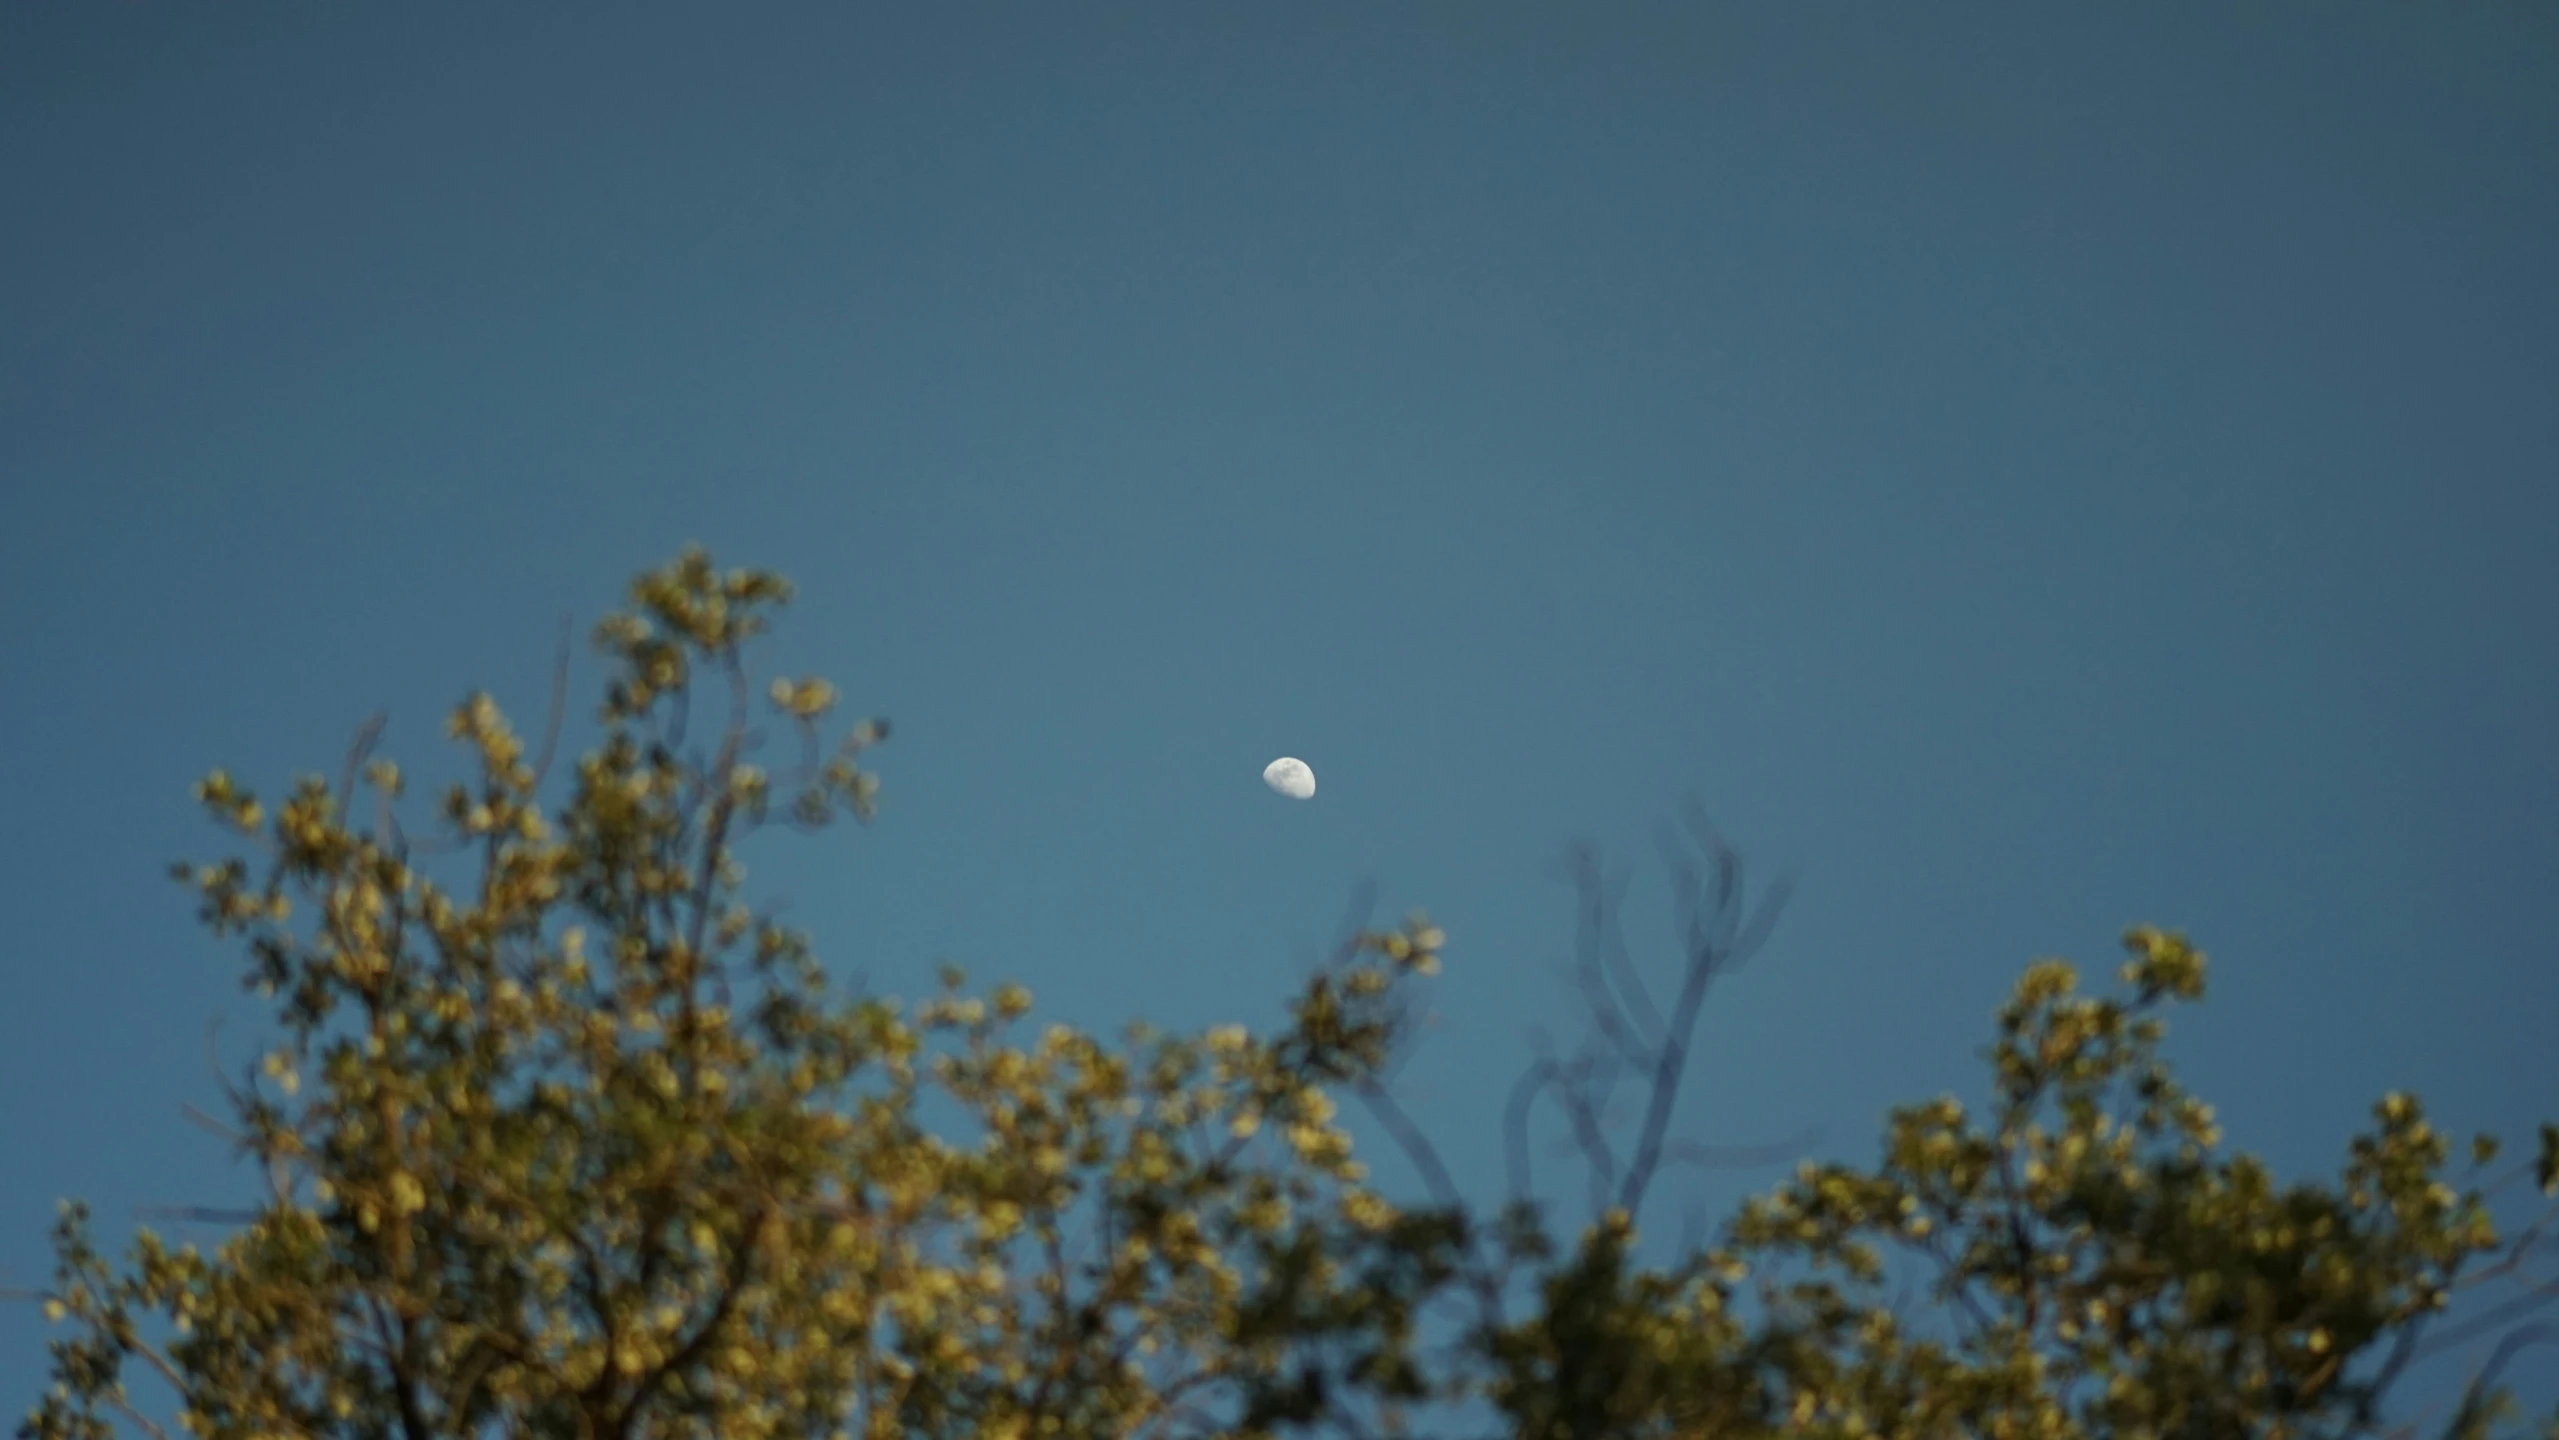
{"type": "Point", "coordinates": [592, 1150]}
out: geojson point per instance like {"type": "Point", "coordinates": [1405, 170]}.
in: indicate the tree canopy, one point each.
{"type": "Point", "coordinates": [563, 1137]}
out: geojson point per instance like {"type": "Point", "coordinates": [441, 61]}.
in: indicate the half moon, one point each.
{"type": "Point", "coordinates": [1290, 777]}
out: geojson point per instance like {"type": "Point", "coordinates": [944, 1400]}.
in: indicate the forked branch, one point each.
{"type": "Point", "coordinates": [1632, 1037]}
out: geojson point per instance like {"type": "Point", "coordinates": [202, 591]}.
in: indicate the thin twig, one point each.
{"type": "Point", "coordinates": [2495, 1316]}
{"type": "Point", "coordinates": [365, 737]}
{"type": "Point", "coordinates": [125, 1407]}
{"type": "Point", "coordinates": [559, 703]}
{"type": "Point", "coordinates": [1620, 1005]}
{"type": "Point", "coordinates": [2508, 1348]}
{"type": "Point", "coordinates": [1711, 1157]}
{"type": "Point", "coordinates": [211, 1124]}
{"type": "Point", "coordinates": [1515, 1128]}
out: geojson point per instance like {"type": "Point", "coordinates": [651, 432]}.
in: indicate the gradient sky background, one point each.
{"type": "Point", "coordinates": [2034, 469]}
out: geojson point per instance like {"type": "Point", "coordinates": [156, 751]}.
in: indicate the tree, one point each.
{"type": "Point", "coordinates": [591, 1149]}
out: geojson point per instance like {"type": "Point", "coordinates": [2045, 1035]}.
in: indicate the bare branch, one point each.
{"type": "Point", "coordinates": [1953, 1283]}
{"type": "Point", "coordinates": [213, 1061]}
{"type": "Point", "coordinates": [1573, 1090]}
{"type": "Point", "coordinates": [1515, 1127]}
{"type": "Point", "coordinates": [1416, 1146]}
{"type": "Point", "coordinates": [1693, 1228]}
{"type": "Point", "coordinates": [559, 704]}
{"type": "Point", "coordinates": [1352, 932]}
{"type": "Point", "coordinates": [2523, 1337]}
{"type": "Point", "coordinates": [671, 734]}
{"type": "Point", "coordinates": [367, 736]}
{"type": "Point", "coordinates": [125, 1408]}
{"type": "Point", "coordinates": [1772, 904]}
{"type": "Point", "coordinates": [1737, 1157]}
{"type": "Point", "coordinates": [157, 1361]}
{"type": "Point", "coordinates": [1619, 1003]}
{"type": "Point", "coordinates": [1717, 939]}
{"type": "Point", "coordinates": [2496, 1316]}
{"type": "Point", "coordinates": [1630, 1033]}
{"type": "Point", "coordinates": [207, 1122]}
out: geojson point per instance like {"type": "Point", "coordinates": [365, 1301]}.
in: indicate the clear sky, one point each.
{"type": "Point", "coordinates": [2034, 468]}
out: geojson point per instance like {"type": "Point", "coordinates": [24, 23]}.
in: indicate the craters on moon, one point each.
{"type": "Point", "coordinates": [1290, 777]}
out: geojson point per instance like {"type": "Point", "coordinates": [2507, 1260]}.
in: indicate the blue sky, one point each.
{"type": "Point", "coordinates": [2035, 470]}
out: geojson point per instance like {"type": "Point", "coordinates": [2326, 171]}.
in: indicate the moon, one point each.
{"type": "Point", "coordinates": [1290, 777]}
